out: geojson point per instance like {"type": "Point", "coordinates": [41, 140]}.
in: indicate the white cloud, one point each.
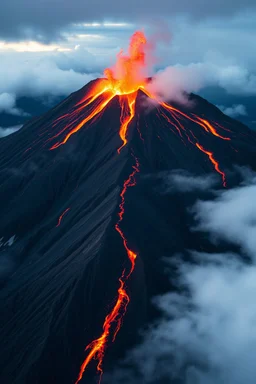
{"type": "Point", "coordinates": [234, 111]}
{"type": "Point", "coordinates": [9, 130]}
{"type": "Point", "coordinates": [171, 82]}
{"type": "Point", "coordinates": [231, 217]}
{"type": "Point", "coordinates": [86, 49]}
{"type": "Point", "coordinates": [37, 75]}
{"type": "Point", "coordinates": [184, 182]}
{"type": "Point", "coordinates": [209, 334]}
{"type": "Point", "coordinates": [8, 105]}
{"type": "Point", "coordinates": [208, 53]}
{"type": "Point", "coordinates": [29, 46]}
{"type": "Point", "coordinates": [105, 25]}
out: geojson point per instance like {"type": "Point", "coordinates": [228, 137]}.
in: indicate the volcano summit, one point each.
{"type": "Point", "coordinates": [79, 201]}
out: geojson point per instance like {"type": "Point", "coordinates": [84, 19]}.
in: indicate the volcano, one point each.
{"type": "Point", "coordinates": [83, 229]}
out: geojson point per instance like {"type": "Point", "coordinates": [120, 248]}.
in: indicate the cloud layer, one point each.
{"type": "Point", "coordinates": [39, 76]}
{"type": "Point", "coordinates": [231, 217]}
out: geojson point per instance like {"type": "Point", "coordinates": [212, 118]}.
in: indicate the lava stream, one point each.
{"type": "Point", "coordinates": [61, 217]}
{"type": "Point", "coordinates": [214, 162]}
{"type": "Point", "coordinates": [130, 182]}
{"type": "Point", "coordinates": [88, 118]}
{"type": "Point", "coordinates": [124, 81]}
{"type": "Point", "coordinates": [198, 120]}
{"type": "Point", "coordinates": [125, 121]}
{"type": "Point", "coordinates": [113, 320]}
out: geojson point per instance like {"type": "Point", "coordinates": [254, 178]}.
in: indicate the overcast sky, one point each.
{"type": "Point", "coordinates": [46, 17]}
{"type": "Point", "coordinates": [53, 47]}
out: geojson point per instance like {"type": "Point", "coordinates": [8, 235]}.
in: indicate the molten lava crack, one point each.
{"type": "Point", "coordinates": [113, 320]}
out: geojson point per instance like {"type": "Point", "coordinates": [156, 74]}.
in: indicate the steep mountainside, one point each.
{"type": "Point", "coordinates": [61, 254]}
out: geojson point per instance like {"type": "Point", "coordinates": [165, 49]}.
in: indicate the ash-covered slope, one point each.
{"type": "Point", "coordinates": [61, 256]}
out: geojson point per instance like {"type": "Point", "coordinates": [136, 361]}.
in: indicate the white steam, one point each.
{"type": "Point", "coordinates": [175, 82]}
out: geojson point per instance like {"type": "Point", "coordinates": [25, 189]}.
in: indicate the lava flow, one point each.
{"type": "Point", "coordinates": [113, 320]}
{"type": "Point", "coordinates": [61, 217]}
{"type": "Point", "coordinates": [124, 81]}
{"type": "Point", "coordinates": [214, 162]}
{"type": "Point", "coordinates": [126, 119]}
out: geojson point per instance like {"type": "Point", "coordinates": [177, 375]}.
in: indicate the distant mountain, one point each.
{"type": "Point", "coordinates": [76, 215]}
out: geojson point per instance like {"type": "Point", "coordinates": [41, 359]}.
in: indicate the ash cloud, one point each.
{"type": "Point", "coordinates": [207, 333]}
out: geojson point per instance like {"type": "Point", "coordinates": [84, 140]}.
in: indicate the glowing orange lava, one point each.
{"type": "Point", "coordinates": [130, 182]}
{"type": "Point", "coordinates": [214, 162]}
{"type": "Point", "coordinates": [127, 76]}
{"type": "Point", "coordinates": [61, 217]}
{"type": "Point", "coordinates": [124, 80]}
{"type": "Point", "coordinates": [95, 112]}
{"type": "Point", "coordinates": [98, 346]}
{"type": "Point", "coordinates": [113, 320]}
{"type": "Point", "coordinates": [125, 121]}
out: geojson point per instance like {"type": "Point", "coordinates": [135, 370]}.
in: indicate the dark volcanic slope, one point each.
{"type": "Point", "coordinates": [59, 281]}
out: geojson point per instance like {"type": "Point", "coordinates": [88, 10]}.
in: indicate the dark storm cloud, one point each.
{"type": "Point", "coordinates": [42, 18]}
